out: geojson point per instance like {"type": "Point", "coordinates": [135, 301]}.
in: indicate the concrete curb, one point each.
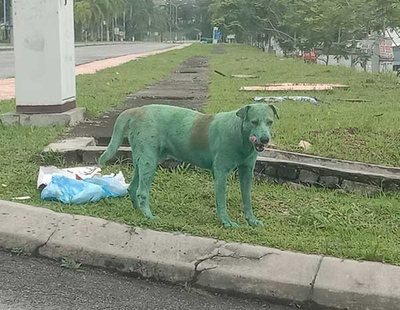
{"type": "Point", "coordinates": [216, 265]}
{"type": "Point", "coordinates": [351, 179]}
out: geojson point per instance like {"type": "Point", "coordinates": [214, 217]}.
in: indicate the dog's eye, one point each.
{"type": "Point", "coordinates": [254, 122]}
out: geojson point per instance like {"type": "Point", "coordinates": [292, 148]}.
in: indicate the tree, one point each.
{"type": "Point", "coordinates": [332, 27]}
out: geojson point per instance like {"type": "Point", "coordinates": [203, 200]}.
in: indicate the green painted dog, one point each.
{"type": "Point", "coordinates": [220, 143]}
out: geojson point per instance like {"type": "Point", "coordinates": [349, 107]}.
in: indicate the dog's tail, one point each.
{"type": "Point", "coordinates": [116, 139]}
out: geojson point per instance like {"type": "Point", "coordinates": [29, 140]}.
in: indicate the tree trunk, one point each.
{"type": "Point", "coordinates": [107, 33]}
{"type": "Point", "coordinates": [101, 31]}
{"type": "Point", "coordinates": [112, 29]}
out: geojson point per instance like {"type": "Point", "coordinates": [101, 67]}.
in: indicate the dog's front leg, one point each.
{"type": "Point", "coordinates": [220, 180]}
{"type": "Point", "coordinates": [246, 180]}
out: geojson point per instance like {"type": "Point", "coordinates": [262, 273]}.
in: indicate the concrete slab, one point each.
{"type": "Point", "coordinates": [68, 118]}
{"type": "Point", "coordinates": [347, 284]}
{"type": "Point", "coordinates": [96, 242]}
{"type": "Point", "coordinates": [261, 272]}
{"type": "Point", "coordinates": [24, 227]}
{"type": "Point", "coordinates": [70, 144]}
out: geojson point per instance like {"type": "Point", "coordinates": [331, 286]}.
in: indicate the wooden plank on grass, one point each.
{"type": "Point", "coordinates": [293, 87]}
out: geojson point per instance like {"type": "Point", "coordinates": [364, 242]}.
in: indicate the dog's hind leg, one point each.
{"type": "Point", "coordinates": [146, 167]}
{"type": "Point", "coordinates": [132, 189]}
{"type": "Point", "coordinates": [220, 180]}
{"type": "Point", "coordinates": [246, 179]}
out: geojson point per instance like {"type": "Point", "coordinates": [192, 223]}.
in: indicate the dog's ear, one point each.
{"type": "Point", "coordinates": [274, 110]}
{"type": "Point", "coordinates": [242, 113]}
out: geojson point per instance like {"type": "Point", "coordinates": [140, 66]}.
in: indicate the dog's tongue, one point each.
{"type": "Point", "coordinates": [253, 139]}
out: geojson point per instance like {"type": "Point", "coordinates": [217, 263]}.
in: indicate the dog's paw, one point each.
{"type": "Point", "coordinates": [255, 222]}
{"type": "Point", "coordinates": [230, 224]}
{"type": "Point", "coordinates": [153, 218]}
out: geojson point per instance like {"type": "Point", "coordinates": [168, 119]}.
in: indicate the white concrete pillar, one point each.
{"type": "Point", "coordinates": [44, 56]}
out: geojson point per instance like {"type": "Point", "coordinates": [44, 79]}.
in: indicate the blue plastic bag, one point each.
{"type": "Point", "coordinates": [111, 187]}
{"type": "Point", "coordinates": [71, 191]}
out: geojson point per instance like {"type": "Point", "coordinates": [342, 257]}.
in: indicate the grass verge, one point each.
{"type": "Point", "coordinates": [309, 220]}
{"type": "Point", "coordinates": [362, 131]}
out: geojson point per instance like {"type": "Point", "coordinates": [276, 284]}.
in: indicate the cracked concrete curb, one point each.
{"type": "Point", "coordinates": [262, 272]}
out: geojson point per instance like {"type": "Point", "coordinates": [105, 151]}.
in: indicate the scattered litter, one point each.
{"type": "Point", "coordinates": [79, 184]}
{"type": "Point", "coordinates": [355, 100]}
{"type": "Point", "coordinates": [311, 100]}
{"type": "Point", "coordinates": [244, 76]}
{"type": "Point", "coordinates": [78, 173]}
{"type": "Point", "coordinates": [4, 185]}
{"type": "Point", "coordinates": [305, 145]}
{"type": "Point", "coordinates": [22, 198]}
{"type": "Point", "coordinates": [220, 73]}
{"type": "Point", "coordinates": [293, 87]}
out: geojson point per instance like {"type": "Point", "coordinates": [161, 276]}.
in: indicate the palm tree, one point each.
{"type": "Point", "coordinates": [134, 16]}
{"type": "Point", "coordinates": [83, 15]}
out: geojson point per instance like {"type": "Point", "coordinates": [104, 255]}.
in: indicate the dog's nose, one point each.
{"type": "Point", "coordinates": [264, 140]}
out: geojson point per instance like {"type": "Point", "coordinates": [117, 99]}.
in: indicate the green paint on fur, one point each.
{"type": "Point", "coordinates": [220, 143]}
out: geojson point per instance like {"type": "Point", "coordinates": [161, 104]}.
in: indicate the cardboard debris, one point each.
{"type": "Point", "coordinates": [293, 87]}
{"type": "Point", "coordinates": [77, 173]}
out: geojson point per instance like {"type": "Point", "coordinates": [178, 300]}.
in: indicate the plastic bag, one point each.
{"type": "Point", "coordinates": [70, 191]}
{"type": "Point", "coordinates": [110, 186]}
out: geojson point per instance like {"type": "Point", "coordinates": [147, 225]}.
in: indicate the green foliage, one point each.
{"type": "Point", "coordinates": [329, 26]}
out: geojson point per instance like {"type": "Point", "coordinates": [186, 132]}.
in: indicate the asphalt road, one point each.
{"type": "Point", "coordinates": [28, 283]}
{"type": "Point", "coordinates": [84, 54]}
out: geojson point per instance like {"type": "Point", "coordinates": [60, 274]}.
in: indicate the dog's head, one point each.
{"type": "Point", "coordinates": [257, 123]}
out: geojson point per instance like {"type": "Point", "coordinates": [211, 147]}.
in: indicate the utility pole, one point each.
{"type": "Point", "coordinates": [5, 18]}
{"type": "Point", "coordinates": [4, 11]}
{"type": "Point", "coordinates": [176, 21]}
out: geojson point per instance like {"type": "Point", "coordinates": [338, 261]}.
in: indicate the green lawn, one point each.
{"type": "Point", "coordinates": [309, 220]}
{"type": "Point", "coordinates": [362, 131]}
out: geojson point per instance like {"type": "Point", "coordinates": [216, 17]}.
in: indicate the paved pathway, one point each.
{"type": "Point", "coordinates": [187, 86]}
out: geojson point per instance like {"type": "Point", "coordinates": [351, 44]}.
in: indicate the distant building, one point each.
{"type": "Point", "coordinates": [394, 35]}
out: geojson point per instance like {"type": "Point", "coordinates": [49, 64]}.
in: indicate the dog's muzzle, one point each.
{"type": "Point", "coordinates": [259, 146]}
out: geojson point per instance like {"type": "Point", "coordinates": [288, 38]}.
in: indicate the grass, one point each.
{"type": "Point", "coordinates": [361, 131]}
{"type": "Point", "coordinates": [309, 219]}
